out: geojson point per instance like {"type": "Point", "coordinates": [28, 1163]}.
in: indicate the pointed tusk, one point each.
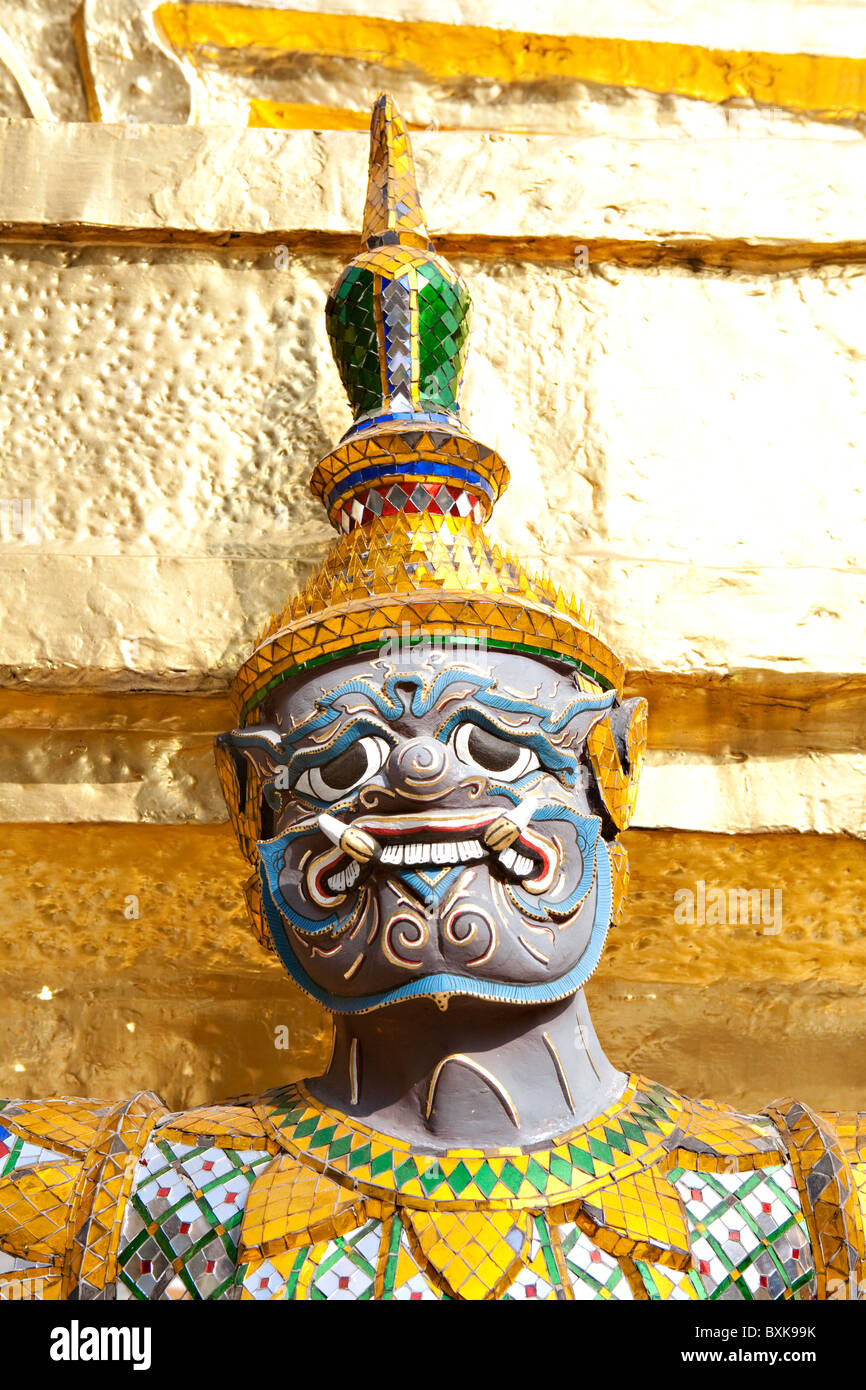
{"type": "Point", "coordinates": [330, 826]}
{"type": "Point", "coordinates": [502, 832]}
{"type": "Point", "coordinates": [357, 844]}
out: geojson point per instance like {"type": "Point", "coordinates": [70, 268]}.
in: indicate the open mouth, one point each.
{"type": "Point", "coordinates": [429, 844]}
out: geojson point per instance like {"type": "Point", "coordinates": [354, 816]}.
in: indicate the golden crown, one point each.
{"type": "Point", "coordinates": [408, 487]}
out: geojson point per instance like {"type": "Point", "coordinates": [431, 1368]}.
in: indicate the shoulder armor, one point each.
{"type": "Point", "coordinates": [716, 1138]}
{"type": "Point", "coordinates": [66, 1126]}
{"type": "Point", "coordinates": [291, 1204]}
{"type": "Point", "coordinates": [828, 1196]}
{"type": "Point", "coordinates": [850, 1130]}
{"type": "Point", "coordinates": [849, 1126]}
{"type": "Point", "coordinates": [42, 1149]}
{"type": "Point", "coordinates": [219, 1126]}
{"type": "Point", "coordinates": [65, 1179]}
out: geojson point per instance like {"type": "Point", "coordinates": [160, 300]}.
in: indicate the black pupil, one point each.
{"type": "Point", "coordinates": [488, 751]}
{"type": "Point", "coordinates": [346, 769]}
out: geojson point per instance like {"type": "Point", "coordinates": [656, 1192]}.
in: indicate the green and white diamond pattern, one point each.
{"type": "Point", "coordinates": [175, 1243]}
{"type": "Point", "coordinates": [749, 1237]}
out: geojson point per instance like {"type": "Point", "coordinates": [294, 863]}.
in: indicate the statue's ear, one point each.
{"type": "Point", "coordinates": [249, 763]}
{"type": "Point", "coordinates": [616, 747]}
{"type": "Point", "coordinates": [629, 724]}
{"type": "Point", "coordinates": [260, 748]}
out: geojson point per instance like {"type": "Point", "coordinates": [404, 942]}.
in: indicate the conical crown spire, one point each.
{"type": "Point", "coordinates": [392, 213]}
{"type": "Point", "coordinates": [398, 320]}
{"type": "Point", "coordinates": [408, 487]}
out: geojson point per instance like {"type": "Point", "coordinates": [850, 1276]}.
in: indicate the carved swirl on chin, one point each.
{"type": "Point", "coordinates": [462, 928]}
{"type": "Point", "coordinates": [394, 936]}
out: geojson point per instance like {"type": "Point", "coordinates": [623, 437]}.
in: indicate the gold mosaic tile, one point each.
{"type": "Point", "coordinates": [476, 1254]}
{"type": "Point", "coordinates": [829, 1198]}
{"type": "Point", "coordinates": [34, 1209]}
{"type": "Point", "coordinates": [290, 1205]}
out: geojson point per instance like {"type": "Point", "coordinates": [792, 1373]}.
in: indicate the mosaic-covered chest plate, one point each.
{"type": "Point", "coordinates": [658, 1198]}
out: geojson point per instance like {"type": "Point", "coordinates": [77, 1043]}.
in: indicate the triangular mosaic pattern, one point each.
{"type": "Point", "coordinates": [572, 1167]}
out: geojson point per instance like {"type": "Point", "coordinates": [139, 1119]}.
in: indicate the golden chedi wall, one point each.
{"type": "Point", "coordinates": [661, 223]}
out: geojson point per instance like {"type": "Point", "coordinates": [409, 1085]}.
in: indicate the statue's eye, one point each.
{"type": "Point", "coordinates": [356, 764]}
{"type": "Point", "coordinates": [501, 756]}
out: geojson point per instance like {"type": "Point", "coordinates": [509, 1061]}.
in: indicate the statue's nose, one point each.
{"type": "Point", "coordinates": [419, 768]}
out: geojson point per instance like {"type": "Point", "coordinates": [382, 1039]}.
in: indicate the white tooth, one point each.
{"type": "Point", "coordinates": [508, 857]}
{"type": "Point", "coordinates": [392, 854]}
{"type": "Point", "coordinates": [413, 854]}
{"type": "Point", "coordinates": [338, 881]}
{"type": "Point", "coordinates": [352, 872]}
{"type": "Point", "coordinates": [476, 849]}
{"type": "Point", "coordinates": [465, 849]}
{"type": "Point", "coordinates": [441, 854]}
{"type": "Point", "coordinates": [522, 866]}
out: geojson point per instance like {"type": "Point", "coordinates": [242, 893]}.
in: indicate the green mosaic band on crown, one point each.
{"type": "Point", "coordinates": [460, 641]}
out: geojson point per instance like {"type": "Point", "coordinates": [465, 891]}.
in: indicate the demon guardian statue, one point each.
{"type": "Point", "coordinates": [432, 766]}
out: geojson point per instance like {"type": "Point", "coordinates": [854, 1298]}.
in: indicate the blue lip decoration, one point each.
{"type": "Point", "coordinates": [588, 828]}
{"type": "Point", "coordinates": [271, 856]}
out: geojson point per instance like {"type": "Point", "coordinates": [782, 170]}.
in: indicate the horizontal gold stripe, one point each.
{"type": "Point", "coordinates": [65, 889]}
{"type": "Point", "coordinates": [734, 253]}
{"type": "Point", "coordinates": [832, 86]}
{"type": "Point", "coordinates": [80, 711]}
{"type": "Point", "coordinates": [758, 714]}
{"type": "Point", "coordinates": [754, 713]}
{"type": "Point", "coordinates": [287, 115]}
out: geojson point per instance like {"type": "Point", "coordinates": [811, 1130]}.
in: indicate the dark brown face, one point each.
{"type": "Point", "coordinates": [436, 831]}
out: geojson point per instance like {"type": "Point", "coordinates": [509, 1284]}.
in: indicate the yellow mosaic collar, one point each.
{"type": "Point", "coordinates": [625, 1138]}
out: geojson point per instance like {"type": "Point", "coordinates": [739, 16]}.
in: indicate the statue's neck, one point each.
{"type": "Point", "coordinates": [474, 1075]}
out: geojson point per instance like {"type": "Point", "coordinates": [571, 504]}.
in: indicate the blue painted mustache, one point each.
{"type": "Point", "coordinates": [596, 863]}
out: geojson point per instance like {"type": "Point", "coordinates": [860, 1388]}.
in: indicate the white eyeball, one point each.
{"type": "Point", "coordinates": [349, 769]}
{"type": "Point", "coordinates": [497, 756]}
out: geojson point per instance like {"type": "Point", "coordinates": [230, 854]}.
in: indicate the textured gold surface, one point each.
{"type": "Point", "coordinates": [213, 558]}
{"type": "Point", "coordinates": [637, 71]}
{"type": "Point", "coordinates": [227, 34]}
{"type": "Point", "coordinates": [149, 757]}
{"type": "Point", "coordinates": [38, 38]}
{"type": "Point", "coordinates": [779, 197]}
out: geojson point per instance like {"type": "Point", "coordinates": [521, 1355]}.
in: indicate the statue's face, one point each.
{"type": "Point", "coordinates": [432, 892]}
